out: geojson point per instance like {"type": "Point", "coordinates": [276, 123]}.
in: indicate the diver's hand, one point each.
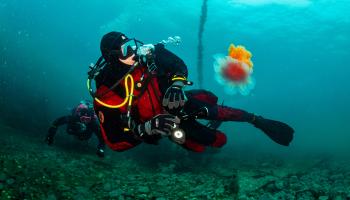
{"type": "Point", "coordinates": [160, 124]}
{"type": "Point", "coordinates": [174, 96]}
{"type": "Point", "coordinates": [100, 152]}
{"type": "Point", "coordinates": [49, 140]}
{"type": "Point", "coordinates": [50, 135]}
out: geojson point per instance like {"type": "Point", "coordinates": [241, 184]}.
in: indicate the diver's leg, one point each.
{"type": "Point", "coordinates": [111, 129]}
{"type": "Point", "coordinates": [226, 113]}
{"type": "Point", "coordinates": [278, 131]}
{"type": "Point", "coordinates": [202, 98]}
{"type": "Point", "coordinates": [199, 136]}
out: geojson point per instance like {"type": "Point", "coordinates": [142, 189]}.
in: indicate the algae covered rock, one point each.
{"type": "Point", "coordinates": [3, 177]}
{"type": "Point", "coordinates": [323, 198]}
{"type": "Point", "coordinates": [28, 173]}
{"type": "Point", "coordinates": [116, 193]}
{"type": "Point", "coordinates": [143, 189]}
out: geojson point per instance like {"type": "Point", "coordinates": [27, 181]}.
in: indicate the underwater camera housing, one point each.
{"type": "Point", "coordinates": [177, 134]}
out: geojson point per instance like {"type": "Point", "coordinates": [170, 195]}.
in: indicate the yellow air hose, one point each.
{"type": "Point", "coordinates": [128, 94]}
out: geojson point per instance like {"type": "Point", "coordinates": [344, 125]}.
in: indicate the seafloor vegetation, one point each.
{"type": "Point", "coordinates": [32, 170]}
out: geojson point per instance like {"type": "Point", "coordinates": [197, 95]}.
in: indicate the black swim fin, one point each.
{"type": "Point", "coordinates": [279, 132]}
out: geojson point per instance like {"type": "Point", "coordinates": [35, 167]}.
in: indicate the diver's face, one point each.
{"type": "Point", "coordinates": [84, 116]}
{"type": "Point", "coordinates": [130, 59]}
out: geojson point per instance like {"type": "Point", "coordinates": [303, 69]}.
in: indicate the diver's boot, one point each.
{"type": "Point", "coordinates": [279, 132]}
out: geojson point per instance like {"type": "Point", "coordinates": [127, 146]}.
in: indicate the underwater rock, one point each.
{"type": "Point", "coordinates": [266, 197]}
{"type": "Point", "coordinates": [167, 169]}
{"type": "Point", "coordinates": [2, 176]}
{"type": "Point", "coordinates": [51, 197]}
{"type": "Point", "coordinates": [10, 181]}
{"type": "Point", "coordinates": [107, 187]}
{"type": "Point", "coordinates": [162, 182]}
{"type": "Point", "coordinates": [249, 184]}
{"type": "Point", "coordinates": [297, 186]}
{"type": "Point", "coordinates": [220, 190]}
{"type": "Point", "coordinates": [42, 177]}
{"type": "Point", "coordinates": [293, 179]}
{"type": "Point", "coordinates": [116, 193]}
{"type": "Point", "coordinates": [284, 195]}
{"type": "Point", "coordinates": [338, 198]}
{"type": "Point", "coordinates": [323, 198]}
{"type": "Point", "coordinates": [82, 190]}
{"type": "Point", "coordinates": [62, 187]}
{"type": "Point", "coordinates": [265, 164]}
{"type": "Point", "coordinates": [305, 195]}
{"type": "Point", "coordinates": [270, 187]}
{"type": "Point", "coordinates": [143, 189]}
{"type": "Point", "coordinates": [100, 175]}
{"type": "Point", "coordinates": [225, 172]}
{"type": "Point", "coordinates": [79, 197]}
{"type": "Point", "coordinates": [279, 184]}
{"type": "Point", "coordinates": [336, 177]}
{"type": "Point", "coordinates": [161, 198]}
{"type": "Point", "coordinates": [243, 197]}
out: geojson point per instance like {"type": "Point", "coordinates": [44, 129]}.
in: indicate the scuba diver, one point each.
{"type": "Point", "coordinates": [140, 97]}
{"type": "Point", "coordinates": [82, 123]}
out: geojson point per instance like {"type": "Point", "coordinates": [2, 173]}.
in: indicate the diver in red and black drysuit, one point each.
{"type": "Point", "coordinates": [82, 123]}
{"type": "Point", "coordinates": [150, 112]}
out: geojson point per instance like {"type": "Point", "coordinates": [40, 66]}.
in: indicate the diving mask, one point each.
{"type": "Point", "coordinates": [85, 119]}
{"type": "Point", "coordinates": [129, 47]}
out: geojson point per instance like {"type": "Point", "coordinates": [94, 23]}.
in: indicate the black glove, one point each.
{"type": "Point", "coordinates": [100, 152]}
{"type": "Point", "coordinates": [160, 124]}
{"type": "Point", "coordinates": [174, 96]}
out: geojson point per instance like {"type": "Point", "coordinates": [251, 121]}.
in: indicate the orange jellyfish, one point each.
{"type": "Point", "coordinates": [234, 71]}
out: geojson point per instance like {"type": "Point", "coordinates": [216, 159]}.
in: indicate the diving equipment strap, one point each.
{"type": "Point", "coordinates": [117, 83]}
